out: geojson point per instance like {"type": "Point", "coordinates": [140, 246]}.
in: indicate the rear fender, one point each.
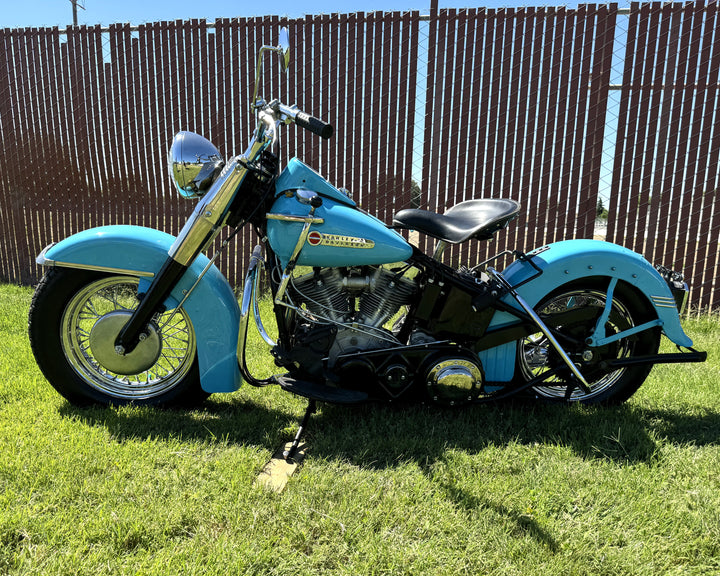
{"type": "Point", "coordinates": [564, 262]}
{"type": "Point", "coordinates": [137, 251]}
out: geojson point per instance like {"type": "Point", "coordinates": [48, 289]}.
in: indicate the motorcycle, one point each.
{"type": "Point", "coordinates": [126, 314]}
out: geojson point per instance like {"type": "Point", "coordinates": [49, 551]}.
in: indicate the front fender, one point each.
{"type": "Point", "coordinates": [212, 306]}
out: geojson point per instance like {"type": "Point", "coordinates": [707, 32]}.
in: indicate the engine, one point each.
{"type": "Point", "coordinates": [341, 336]}
{"type": "Point", "coordinates": [368, 296]}
{"type": "Point", "coordinates": [345, 310]}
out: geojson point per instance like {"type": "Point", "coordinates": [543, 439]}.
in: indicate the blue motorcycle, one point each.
{"type": "Point", "coordinates": [126, 314]}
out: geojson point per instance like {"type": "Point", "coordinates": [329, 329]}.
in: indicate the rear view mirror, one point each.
{"type": "Point", "coordinates": [284, 45]}
{"type": "Point", "coordinates": [283, 48]}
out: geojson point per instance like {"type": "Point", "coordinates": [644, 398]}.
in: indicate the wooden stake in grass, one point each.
{"type": "Point", "coordinates": [276, 473]}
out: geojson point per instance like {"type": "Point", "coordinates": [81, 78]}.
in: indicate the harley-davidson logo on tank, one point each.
{"type": "Point", "coordinates": [315, 238]}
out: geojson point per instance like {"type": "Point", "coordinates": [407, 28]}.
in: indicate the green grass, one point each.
{"type": "Point", "coordinates": [488, 490]}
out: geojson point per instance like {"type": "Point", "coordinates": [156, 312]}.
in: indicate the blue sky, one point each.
{"type": "Point", "coordinates": [36, 13]}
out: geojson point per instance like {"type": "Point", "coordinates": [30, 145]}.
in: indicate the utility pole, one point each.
{"type": "Point", "coordinates": [75, 4]}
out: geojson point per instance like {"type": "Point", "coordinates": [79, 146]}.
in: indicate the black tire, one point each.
{"type": "Point", "coordinates": [67, 335]}
{"type": "Point", "coordinates": [535, 355]}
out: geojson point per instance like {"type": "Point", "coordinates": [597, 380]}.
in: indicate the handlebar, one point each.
{"type": "Point", "coordinates": [304, 120]}
{"type": "Point", "coordinates": [270, 115]}
{"type": "Point", "coordinates": [315, 125]}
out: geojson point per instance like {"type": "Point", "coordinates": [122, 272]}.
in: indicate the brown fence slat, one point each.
{"type": "Point", "coordinates": [10, 264]}
{"type": "Point", "coordinates": [357, 95]}
{"type": "Point", "coordinates": [451, 188]}
{"type": "Point", "coordinates": [644, 130]}
{"type": "Point", "coordinates": [659, 196]}
{"type": "Point", "coordinates": [522, 62]}
{"type": "Point", "coordinates": [597, 98]}
{"type": "Point", "coordinates": [31, 217]}
{"type": "Point", "coordinates": [704, 125]}
{"type": "Point", "coordinates": [373, 145]}
{"type": "Point", "coordinates": [428, 116]}
{"type": "Point", "coordinates": [684, 97]}
{"type": "Point", "coordinates": [336, 85]}
{"type": "Point", "coordinates": [526, 223]}
{"type": "Point", "coordinates": [23, 148]}
{"type": "Point", "coordinates": [693, 266]}
{"type": "Point", "coordinates": [348, 104]}
{"type": "Point", "coordinates": [546, 209]}
{"type": "Point", "coordinates": [409, 78]}
{"type": "Point", "coordinates": [565, 132]}
{"type": "Point", "coordinates": [388, 134]}
{"type": "Point", "coordinates": [444, 146]}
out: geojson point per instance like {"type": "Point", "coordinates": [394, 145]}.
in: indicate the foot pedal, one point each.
{"type": "Point", "coordinates": [320, 392]}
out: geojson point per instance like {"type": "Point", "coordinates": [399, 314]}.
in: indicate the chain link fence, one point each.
{"type": "Point", "coordinates": [602, 122]}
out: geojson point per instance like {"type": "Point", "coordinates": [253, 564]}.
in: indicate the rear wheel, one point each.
{"type": "Point", "coordinates": [574, 310]}
{"type": "Point", "coordinates": [74, 319]}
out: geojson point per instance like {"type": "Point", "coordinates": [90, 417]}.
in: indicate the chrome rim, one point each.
{"type": "Point", "coordinates": [536, 354]}
{"type": "Point", "coordinates": [111, 295]}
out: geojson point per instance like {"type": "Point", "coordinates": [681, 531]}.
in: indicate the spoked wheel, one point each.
{"type": "Point", "coordinates": [74, 320]}
{"type": "Point", "coordinates": [574, 310]}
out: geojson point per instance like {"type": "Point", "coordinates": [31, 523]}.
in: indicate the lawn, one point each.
{"type": "Point", "coordinates": [489, 490]}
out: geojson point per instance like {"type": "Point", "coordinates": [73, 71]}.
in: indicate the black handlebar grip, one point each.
{"type": "Point", "coordinates": [315, 125]}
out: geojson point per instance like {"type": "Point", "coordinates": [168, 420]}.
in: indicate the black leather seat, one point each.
{"type": "Point", "coordinates": [478, 219]}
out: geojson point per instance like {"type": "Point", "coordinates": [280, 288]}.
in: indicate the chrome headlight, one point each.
{"type": "Point", "coordinates": [194, 164]}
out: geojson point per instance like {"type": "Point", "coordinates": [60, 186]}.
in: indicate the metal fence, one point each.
{"type": "Point", "coordinates": [561, 109]}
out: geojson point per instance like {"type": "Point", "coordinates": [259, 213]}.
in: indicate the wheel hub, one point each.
{"type": "Point", "coordinates": [102, 345]}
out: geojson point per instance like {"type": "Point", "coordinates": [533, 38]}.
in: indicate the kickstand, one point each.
{"type": "Point", "coordinates": [309, 411]}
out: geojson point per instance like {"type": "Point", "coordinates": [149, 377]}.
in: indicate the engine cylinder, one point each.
{"type": "Point", "coordinates": [327, 293]}
{"type": "Point", "coordinates": [390, 293]}
{"type": "Point", "coordinates": [321, 292]}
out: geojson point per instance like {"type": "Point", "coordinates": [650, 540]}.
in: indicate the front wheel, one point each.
{"type": "Point", "coordinates": [75, 317]}
{"type": "Point", "coordinates": [574, 310]}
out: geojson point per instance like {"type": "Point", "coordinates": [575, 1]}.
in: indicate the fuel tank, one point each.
{"type": "Point", "coordinates": [347, 236]}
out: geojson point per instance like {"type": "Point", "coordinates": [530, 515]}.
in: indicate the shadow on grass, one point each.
{"type": "Point", "coordinates": [382, 437]}
{"type": "Point", "coordinates": [234, 421]}
{"type": "Point", "coordinates": [379, 436]}
{"type": "Point", "coordinates": [385, 437]}
{"type": "Point", "coordinates": [524, 524]}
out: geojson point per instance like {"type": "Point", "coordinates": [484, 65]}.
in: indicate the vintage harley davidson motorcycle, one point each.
{"type": "Point", "coordinates": [129, 314]}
